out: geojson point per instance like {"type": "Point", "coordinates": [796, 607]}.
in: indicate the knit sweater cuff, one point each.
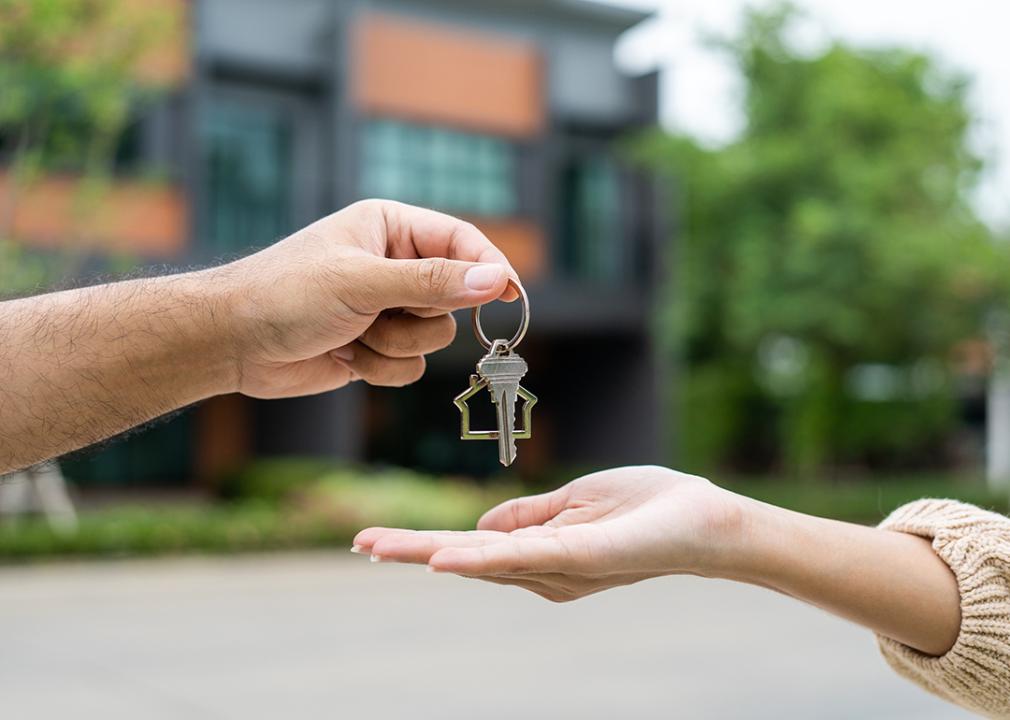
{"type": "Point", "coordinates": [975, 672]}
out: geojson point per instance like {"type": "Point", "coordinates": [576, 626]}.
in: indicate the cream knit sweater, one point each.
{"type": "Point", "coordinates": [975, 672]}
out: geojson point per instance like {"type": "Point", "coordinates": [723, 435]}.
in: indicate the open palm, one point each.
{"type": "Point", "coordinates": [599, 531]}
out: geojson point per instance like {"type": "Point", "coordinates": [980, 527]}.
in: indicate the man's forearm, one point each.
{"type": "Point", "coordinates": [80, 366]}
{"type": "Point", "coordinates": [890, 582]}
{"type": "Point", "coordinates": [301, 317]}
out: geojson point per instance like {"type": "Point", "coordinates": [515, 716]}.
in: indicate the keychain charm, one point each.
{"type": "Point", "coordinates": [500, 371]}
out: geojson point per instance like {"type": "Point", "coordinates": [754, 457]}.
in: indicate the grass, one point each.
{"type": "Point", "coordinates": [288, 504]}
{"type": "Point", "coordinates": [269, 509]}
{"type": "Point", "coordinates": [867, 500]}
{"type": "Point", "coordinates": [135, 530]}
{"type": "Point", "coordinates": [864, 497]}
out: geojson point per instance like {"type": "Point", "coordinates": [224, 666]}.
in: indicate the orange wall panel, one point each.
{"type": "Point", "coordinates": [130, 217]}
{"type": "Point", "coordinates": [521, 241]}
{"type": "Point", "coordinates": [440, 74]}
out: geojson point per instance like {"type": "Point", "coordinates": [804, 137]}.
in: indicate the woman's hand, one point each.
{"type": "Point", "coordinates": [620, 526]}
{"type": "Point", "coordinates": [603, 530]}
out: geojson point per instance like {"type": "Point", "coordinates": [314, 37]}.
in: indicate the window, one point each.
{"type": "Point", "coordinates": [248, 165]}
{"type": "Point", "coordinates": [446, 169]}
{"type": "Point", "coordinates": [161, 454]}
{"type": "Point", "coordinates": [593, 246]}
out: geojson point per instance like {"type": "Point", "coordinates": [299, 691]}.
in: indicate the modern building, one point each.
{"type": "Point", "coordinates": [510, 113]}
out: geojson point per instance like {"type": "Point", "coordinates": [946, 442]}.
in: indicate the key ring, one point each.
{"type": "Point", "coordinates": [523, 325]}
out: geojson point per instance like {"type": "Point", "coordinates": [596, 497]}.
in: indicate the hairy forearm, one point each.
{"type": "Point", "coordinates": [890, 582]}
{"type": "Point", "coordinates": [79, 366]}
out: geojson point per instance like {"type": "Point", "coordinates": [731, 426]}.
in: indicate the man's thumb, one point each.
{"type": "Point", "coordinates": [435, 282]}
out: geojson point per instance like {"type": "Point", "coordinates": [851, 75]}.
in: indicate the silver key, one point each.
{"type": "Point", "coordinates": [502, 371]}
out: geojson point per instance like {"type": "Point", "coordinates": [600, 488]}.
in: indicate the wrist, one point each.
{"type": "Point", "coordinates": [723, 544]}
{"type": "Point", "coordinates": [890, 582]}
{"type": "Point", "coordinates": [216, 331]}
{"type": "Point", "coordinates": [753, 544]}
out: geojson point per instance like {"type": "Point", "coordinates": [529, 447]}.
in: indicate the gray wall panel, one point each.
{"type": "Point", "coordinates": [287, 36]}
{"type": "Point", "coordinates": [583, 81]}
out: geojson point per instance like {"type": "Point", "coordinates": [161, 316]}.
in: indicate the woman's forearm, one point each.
{"type": "Point", "coordinates": [934, 582]}
{"type": "Point", "coordinates": [891, 582]}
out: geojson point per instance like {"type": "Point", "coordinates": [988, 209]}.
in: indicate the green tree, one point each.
{"type": "Point", "coordinates": [68, 79]}
{"type": "Point", "coordinates": [834, 235]}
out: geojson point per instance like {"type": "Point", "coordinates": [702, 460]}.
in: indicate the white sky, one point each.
{"type": "Point", "coordinates": [700, 91]}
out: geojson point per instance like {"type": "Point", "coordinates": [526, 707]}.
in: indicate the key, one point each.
{"type": "Point", "coordinates": [503, 371]}
{"type": "Point", "coordinates": [500, 372]}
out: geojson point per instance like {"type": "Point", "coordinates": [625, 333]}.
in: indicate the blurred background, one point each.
{"type": "Point", "coordinates": [764, 242]}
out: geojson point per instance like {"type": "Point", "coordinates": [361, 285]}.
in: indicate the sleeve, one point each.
{"type": "Point", "coordinates": [975, 672]}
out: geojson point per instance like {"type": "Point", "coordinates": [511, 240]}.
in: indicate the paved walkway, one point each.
{"type": "Point", "coordinates": [329, 636]}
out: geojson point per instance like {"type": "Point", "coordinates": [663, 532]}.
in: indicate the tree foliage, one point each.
{"type": "Point", "coordinates": [833, 238]}
{"type": "Point", "coordinates": [68, 73]}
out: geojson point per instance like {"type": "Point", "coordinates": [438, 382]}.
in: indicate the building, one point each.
{"type": "Point", "coordinates": [508, 113]}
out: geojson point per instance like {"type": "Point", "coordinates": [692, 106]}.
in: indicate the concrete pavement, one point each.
{"type": "Point", "coordinates": [333, 636]}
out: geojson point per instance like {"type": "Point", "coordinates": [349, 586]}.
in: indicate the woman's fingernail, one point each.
{"type": "Point", "coordinates": [432, 569]}
{"type": "Point", "coordinates": [375, 558]}
{"type": "Point", "coordinates": [356, 549]}
{"type": "Point", "coordinates": [343, 353]}
{"type": "Point", "coordinates": [483, 277]}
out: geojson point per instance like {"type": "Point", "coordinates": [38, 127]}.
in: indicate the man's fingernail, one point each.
{"type": "Point", "coordinates": [343, 353]}
{"type": "Point", "coordinates": [356, 549]}
{"type": "Point", "coordinates": [483, 277]}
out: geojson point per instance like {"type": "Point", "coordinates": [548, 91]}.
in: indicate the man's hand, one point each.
{"type": "Point", "coordinates": [603, 530]}
{"type": "Point", "coordinates": [617, 527]}
{"type": "Point", "coordinates": [364, 293]}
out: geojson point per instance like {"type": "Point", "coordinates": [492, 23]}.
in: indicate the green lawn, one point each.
{"type": "Point", "coordinates": [273, 505]}
{"type": "Point", "coordinates": [867, 500]}
{"type": "Point", "coordinates": [286, 504]}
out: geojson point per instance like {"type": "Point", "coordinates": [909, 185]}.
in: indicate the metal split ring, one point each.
{"type": "Point", "coordinates": [523, 324]}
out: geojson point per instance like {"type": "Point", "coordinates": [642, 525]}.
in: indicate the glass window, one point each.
{"type": "Point", "coordinates": [161, 454]}
{"type": "Point", "coordinates": [437, 167]}
{"type": "Point", "coordinates": [592, 247]}
{"type": "Point", "coordinates": [248, 166]}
